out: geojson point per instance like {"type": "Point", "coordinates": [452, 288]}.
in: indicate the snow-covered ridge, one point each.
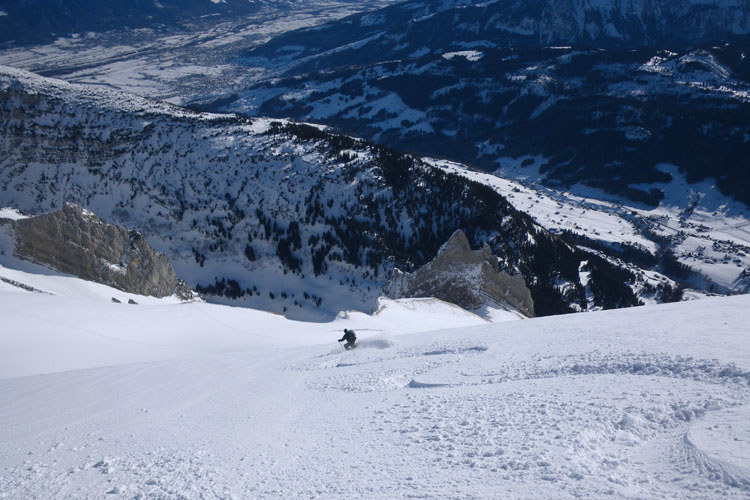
{"type": "Point", "coordinates": [547, 23]}
{"type": "Point", "coordinates": [636, 22]}
{"type": "Point", "coordinates": [273, 215]}
{"type": "Point", "coordinates": [104, 98]}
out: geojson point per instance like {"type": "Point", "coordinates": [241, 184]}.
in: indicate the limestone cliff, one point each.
{"type": "Point", "coordinates": [471, 279]}
{"type": "Point", "coordinates": [75, 241]}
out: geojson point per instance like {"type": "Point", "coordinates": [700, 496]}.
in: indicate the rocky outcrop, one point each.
{"type": "Point", "coordinates": [75, 241]}
{"type": "Point", "coordinates": [471, 279]}
{"type": "Point", "coordinates": [262, 223]}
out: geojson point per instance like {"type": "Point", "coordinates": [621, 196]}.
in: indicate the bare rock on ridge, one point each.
{"type": "Point", "coordinates": [75, 241]}
{"type": "Point", "coordinates": [471, 279]}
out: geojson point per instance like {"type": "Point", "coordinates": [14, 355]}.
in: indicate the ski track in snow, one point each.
{"type": "Point", "coordinates": [650, 402]}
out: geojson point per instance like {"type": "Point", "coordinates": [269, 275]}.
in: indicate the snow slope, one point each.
{"type": "Point", "coordinates": [205, 401]}
{"type": "Point", "coordinates": [69, 323]}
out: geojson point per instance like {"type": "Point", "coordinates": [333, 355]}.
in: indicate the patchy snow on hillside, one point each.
{"type": "Point", "coordinates": [204, 401]}
{"type": "Point", "coordinates": [11, 213]}
{"type": "Point", "coordinates": [251, 212]}
{"type": "Point", "coordinates": [708, 231]}
{"type": "Point", "coordinates": [470, 55]}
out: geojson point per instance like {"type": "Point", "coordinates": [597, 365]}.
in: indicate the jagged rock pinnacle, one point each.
{"type": "Point", "coordinates": [471, 279]}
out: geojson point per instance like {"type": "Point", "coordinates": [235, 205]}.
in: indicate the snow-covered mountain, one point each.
{"type": "Point", "coordinates": [599, 93]}
{"type": "Point", "coordinates": [275, 215]}
{"type": "Point", "coordinates": [166, 400]}
{"type": "Point", "coordinates": [538, 23]}
{"type": "Point", "coordinates": [624, 165]}
{"type": "Point", "coordinates": [35, 21]}
{"type": "Point", "coordinates": [701, 238]}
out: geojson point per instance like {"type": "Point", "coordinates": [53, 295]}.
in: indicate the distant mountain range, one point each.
{"type": "Point", "coordinates": [438, 24]}
{"type": "Point", "coordinates": [274, 215]}
{"type": "Point", "coordinates": [41, 21]}
{"type": "Point", "coordinates": [592, 92]}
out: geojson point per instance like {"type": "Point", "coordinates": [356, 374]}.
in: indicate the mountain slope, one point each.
{"type": "Point", "coordinates": [645, 402]}
{"type": "Point", "coordinates": [72, 324]}
{"type": "Point", "coordinates": [275, 215]}
{"type": "Point", "coordinates": [487, 84]}
{"type": "Point", "coordinates": [536, 23]}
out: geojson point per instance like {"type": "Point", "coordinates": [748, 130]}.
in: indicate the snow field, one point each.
{"type": "Point", "coordinates": [54, 322]}
{"type": "Point", "coordinates": [650, 402]}
{"type": "Point", "coordinates": [719, 445]}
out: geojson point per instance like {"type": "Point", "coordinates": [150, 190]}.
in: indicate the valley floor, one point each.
{"type": "Point", "coordinates": [650, 402]}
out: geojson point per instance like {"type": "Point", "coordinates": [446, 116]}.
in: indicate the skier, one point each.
{"type": "Point", "coordinates": [350, 338]}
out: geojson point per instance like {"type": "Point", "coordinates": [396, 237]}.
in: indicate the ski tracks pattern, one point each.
{"type": "Point", "coordinates": [592, 424]}
{"type": "Point", "coordinates": [391, 419]}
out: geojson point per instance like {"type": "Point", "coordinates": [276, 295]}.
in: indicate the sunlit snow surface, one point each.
{"type": "Point", "coordinates": [169, 400]}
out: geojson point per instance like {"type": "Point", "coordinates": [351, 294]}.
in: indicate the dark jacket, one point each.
{"type": "Point", "coordinates": [349, 336]}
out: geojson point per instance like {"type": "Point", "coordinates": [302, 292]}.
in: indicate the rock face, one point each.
{"type": "Point", "coordinates": [75, 241]}
{"type": "Point", "coordinates": [468, 278]}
